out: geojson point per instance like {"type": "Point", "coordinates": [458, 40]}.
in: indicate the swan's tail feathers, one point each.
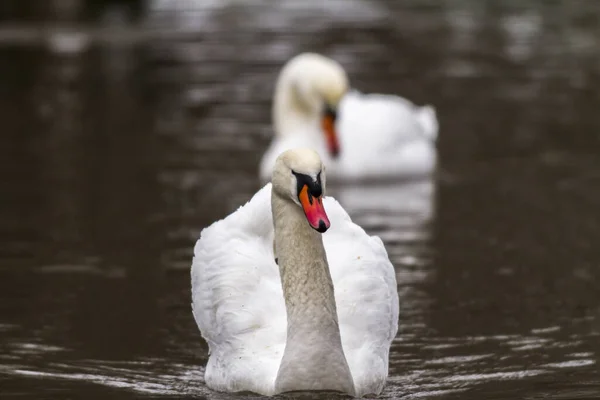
{"type": "Point", "coordinates": [427, 118]}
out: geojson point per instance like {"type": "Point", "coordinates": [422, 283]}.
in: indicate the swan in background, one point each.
{"type": "Point", "coordinates": [358, 136]}
{"type": "Point", "coordinates": [291, 295]}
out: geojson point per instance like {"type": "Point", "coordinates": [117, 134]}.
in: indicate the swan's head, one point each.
{"type": "Point", "coordinates": [299, 175]}
{"type": "Point", "coordinates": [320, 84]}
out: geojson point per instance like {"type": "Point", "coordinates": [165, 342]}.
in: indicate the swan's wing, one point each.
{"type": "Point", "coordinates": [237, 300]}
{"type": "Point", "coordinates": [366, 296]}
{"type": "Point", "coordinates": [386, 121]}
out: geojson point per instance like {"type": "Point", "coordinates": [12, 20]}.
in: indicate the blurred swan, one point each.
{"type": "Point", "coordinates": [380, 136]}
{"type": "Point", "coordinates": [263, 294]}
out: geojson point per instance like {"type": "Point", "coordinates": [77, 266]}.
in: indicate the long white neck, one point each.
{"type": "Point", "coordinates": [294, 112]}
{"type": "Point", "coordinates": [313, 358]}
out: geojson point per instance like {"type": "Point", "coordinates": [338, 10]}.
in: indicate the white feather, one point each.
{"type": "Point", "coordinates": [384, 136]}
{"type": "Point", "coordinates": [238, 303]}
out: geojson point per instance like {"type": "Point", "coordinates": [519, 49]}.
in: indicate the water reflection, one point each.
{"type": "Point", "coordinates": [399, 212]}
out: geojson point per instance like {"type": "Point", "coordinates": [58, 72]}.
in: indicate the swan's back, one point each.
{"type": "Point", "coordinates": [238, 303]}
{"type": "Point", "coordinates": [385, 136]}
{"type": "Point", "coordinates": [389, 117]}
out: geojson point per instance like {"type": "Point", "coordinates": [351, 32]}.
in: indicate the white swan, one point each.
{"type": "Point", "coordinates": [324, 319]}
{"type": "Point", "coordinates": [380, 136]}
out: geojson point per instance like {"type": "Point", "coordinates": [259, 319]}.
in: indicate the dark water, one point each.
{"type": "Point", "coordinates": [120, 144]}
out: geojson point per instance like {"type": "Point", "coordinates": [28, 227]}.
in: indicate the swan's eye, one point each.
{"type": "Point", "coordinates": [314, 187]}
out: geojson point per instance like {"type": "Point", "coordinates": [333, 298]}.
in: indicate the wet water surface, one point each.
{"type": "Point", "coordinates": [117, 156]}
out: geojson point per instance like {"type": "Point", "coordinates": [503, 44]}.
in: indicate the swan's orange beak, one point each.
{"type": "Point", "coordinates": [313, 209]}
{"type": "Point", "coordinates": [328, 125]}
